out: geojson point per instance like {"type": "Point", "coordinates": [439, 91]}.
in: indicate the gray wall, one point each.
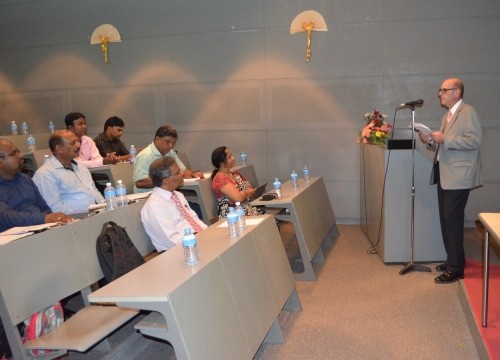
{"type": "Point", "coordinates": [228, 72]}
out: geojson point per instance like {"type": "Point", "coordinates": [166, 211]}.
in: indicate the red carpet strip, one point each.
{"type": "Point", "coordinates": [474, 286]}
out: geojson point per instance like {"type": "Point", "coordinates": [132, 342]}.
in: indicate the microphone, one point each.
{"type": "Point", "coordinates": [411, 103]}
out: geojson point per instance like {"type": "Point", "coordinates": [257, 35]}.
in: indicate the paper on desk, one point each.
{"type": "Point", "coordinates": [192, 180]}
{"type": "Point", "coordinates": [138, 196]}
{"type": "Point", "coordinates": [248, 221]}
{"type": "Point", "coordinates": [422, 128]}
{"type": "Point", "coordinates": [5, 239]}
{"type": "Point", "coordinates": [18, 230]}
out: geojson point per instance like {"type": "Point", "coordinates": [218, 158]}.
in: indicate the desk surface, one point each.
{"type": "Point", "coordinates": [491, 222]}
{"type": "Point", "coordinates": [288, 192]}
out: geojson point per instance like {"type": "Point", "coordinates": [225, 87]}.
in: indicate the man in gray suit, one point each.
{"type": "Point", "coordinates": [457, 170]}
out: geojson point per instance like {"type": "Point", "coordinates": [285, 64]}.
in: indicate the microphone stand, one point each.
{"type": "Point", "coordinates": [411, 266]}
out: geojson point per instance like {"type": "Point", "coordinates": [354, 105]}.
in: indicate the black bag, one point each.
{"type": "Point", "coordinates": [116, 253]}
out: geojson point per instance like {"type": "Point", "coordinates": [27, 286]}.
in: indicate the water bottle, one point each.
{"type": "Point", "coordinates": [244, 158]}
{"type": "Point", "coordinates": [110, 196]}
{"type": "Point", "coordinates": [232, 223]}
{"type": "Point", "coordinates": [133, 153]}
{"type": "Point", "coordinates": [190, 249]}
{"type": "Point", "coordinates": [46, 158]}
{"type": "Point", "coordinates": [24, 127]}
{"type": "Point", "coordinates": [277, 187]}
{"type": "Point", "coordinates": [31, 143]}
{"type": "Point", "coordinates": [240, 210]}
{"type": "Point", "coordinates": [121, 194]}
{"type": "Point", "coordinates": [306, 173]}
{"type": "Point", "coordinates": [294, 177]}
{"type": "Point", "coordinates": [13, 128]}
{"type": "Point", "coordinates": [52, 127]}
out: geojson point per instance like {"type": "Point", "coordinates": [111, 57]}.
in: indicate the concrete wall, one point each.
{"type": "Point", "coordinates": [228, 72]}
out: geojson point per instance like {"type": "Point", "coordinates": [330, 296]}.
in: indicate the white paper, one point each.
{"type": "Point", "coordinates": [138, 196]}
{"type": "Point", "coordinates": [5, 239]}
{"type": "Point", "coordinates": [18, 230]}
{"type": "Point", "coordinates": [422, 128]}
{"type": "Point", "coordinates": [191, 181]}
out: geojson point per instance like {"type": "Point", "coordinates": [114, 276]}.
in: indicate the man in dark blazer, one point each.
{"type": "Point", "coordinates": [457, 170]}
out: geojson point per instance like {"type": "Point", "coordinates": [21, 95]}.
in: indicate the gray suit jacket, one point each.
{"type": "Point", "coordinates": [459, 156]}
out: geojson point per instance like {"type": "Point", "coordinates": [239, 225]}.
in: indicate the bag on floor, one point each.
{"type": "Point", "coordinates": [116, 253]}
{"type": "Point", "coordinates": [41, 323]}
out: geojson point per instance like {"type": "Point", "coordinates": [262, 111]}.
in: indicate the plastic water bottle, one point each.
{"type": "Point", "coordinates": [121, 194]}
{"type": "Point", "coordinates": [306, 172]}
{"type": "Point", "coordinates": [31, 143]}
{"type": "Point", "coordinates": [46, 158]}
{"type": "Point", "coordinates": [277, 187]}
{"type": "Point", "coordinates": [110, 196]}
{"type": "Point", "coordinates": [294, 177]}
{"type": "Point", "coordinates": [190, 249]}
{"type": "Point", "coordinates": [25, 128]}
{"type": "Point", "coordinates": [241, 215]}
{"type": "Point", "coordinates": [13, 128]}
{"type": "Point", "coordinates": [52, 127]}
{"type": "Point", "coordinates": [244, 158]}
{"type": "Point", "coordinates": [232, 223]}
{"type": "Point", "coordinates": [133, 153]}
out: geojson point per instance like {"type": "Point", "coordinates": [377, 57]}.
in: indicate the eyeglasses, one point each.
{"type": "Point", "coordinates": [14, 153]}
{"type": "Point", "coordinates": [443, 90]}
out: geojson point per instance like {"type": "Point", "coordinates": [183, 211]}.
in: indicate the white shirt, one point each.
{"type": "Point", "coordinates": [163, 221]}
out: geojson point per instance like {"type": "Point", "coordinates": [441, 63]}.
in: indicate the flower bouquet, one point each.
{"type": "Point", "coordinates": [376, 130]}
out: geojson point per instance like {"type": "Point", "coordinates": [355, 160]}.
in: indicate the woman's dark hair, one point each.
{"type": "Point", "coordinates": [160, 169]}
{"type": "Point", "coordinates": [218, 157]}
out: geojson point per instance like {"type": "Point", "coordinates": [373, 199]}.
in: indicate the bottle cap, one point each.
{"type": "Point", "coordinates": [237, 203]}
{"type": "Point", "coordinates": [119, 181]}
{"type": "Point", "coordinates": [108, 184]}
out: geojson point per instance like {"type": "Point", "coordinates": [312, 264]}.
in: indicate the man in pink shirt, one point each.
{"type": "Point", "coordinates": [89, 154]}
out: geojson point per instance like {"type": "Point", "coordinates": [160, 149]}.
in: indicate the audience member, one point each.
{"type": "Point", "coordinates": [89, 154]}
{"type": "Point", "coordinates": [230, 186]}
{"type": "Point", "coordinates": [162, 146]}
{"type": "Point", "coordinates": [166, 213]}
{"type": "Point", "coordinates": [66, 185]}
{"type": "Point", "coordinates": [21, 204]}
{"type": "Point", "coordinates": [457, 170]}
{"type": "Point", "coordinates": [108, 142]}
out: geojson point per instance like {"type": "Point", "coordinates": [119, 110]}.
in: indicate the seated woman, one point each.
{"type": "Point", "coordinates": [230, 187]}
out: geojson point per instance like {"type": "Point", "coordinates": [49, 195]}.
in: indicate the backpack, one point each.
{"type": "Point", "coordinates": [41, 323]}
{"type": "Point", "coordinates": [116, 253]}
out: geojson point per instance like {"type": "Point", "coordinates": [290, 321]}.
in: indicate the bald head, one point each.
{"type": "Point", "coordinates": [10, 158]}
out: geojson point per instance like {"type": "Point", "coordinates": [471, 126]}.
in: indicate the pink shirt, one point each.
{"type": "Point", "coordinates": [89, 155]}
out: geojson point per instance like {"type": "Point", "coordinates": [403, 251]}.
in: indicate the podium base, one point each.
{"type": "Point", "coordinates": [413, 267]}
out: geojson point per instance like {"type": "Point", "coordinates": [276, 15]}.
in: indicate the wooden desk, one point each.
{"type": "Point", "coordinates": [200, 192]}
{"type": "Point", "coordinates": [220, 308]}
{"type": "Point", "coordinates": [308, 208]}
{"type": "Point", "coordinates": [491, 222]}
{"type": "Point", "coordinates": [121, 171]}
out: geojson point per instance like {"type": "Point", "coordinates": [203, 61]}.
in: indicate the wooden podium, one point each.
{"type": "Point", "coordinates": [385, 215]}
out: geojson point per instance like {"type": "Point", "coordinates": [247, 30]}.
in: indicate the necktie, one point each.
{"type": "Point", "coordinates": [186, 215]}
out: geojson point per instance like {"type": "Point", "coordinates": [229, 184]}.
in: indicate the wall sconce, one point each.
{"type": "Point", "coordinates": [104, 34]}
{"type": "Point", "coordinates": [308, 20]}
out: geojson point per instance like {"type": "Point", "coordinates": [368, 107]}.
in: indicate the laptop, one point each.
{"type": "Point", "coordinates": [259, 191]}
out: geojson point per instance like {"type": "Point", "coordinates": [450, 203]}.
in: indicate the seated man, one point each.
{"type": "Point", "coordinates": [162, 146]}
{"type": "Point", "coordinates": [89, 154]}
{"type": "Point", "coordinates": [66, 185]}
{"type": "Point", "coordinates": [108, 142]}
{"type": "Point", "coordinates": [166, 213]}
{"type": "Point", "coordinates": [20, 201]}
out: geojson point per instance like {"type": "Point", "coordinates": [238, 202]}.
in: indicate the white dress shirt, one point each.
{"type": "Point", "coordinates": [163, 221]}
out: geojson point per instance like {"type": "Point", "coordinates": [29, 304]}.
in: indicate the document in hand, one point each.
{"type": "Point", "coordinates": [422, 128]}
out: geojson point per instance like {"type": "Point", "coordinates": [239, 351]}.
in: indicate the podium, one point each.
{"type": "Point", "coordinates": [385, 215]}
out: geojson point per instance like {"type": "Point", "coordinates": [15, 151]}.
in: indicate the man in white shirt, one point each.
{"type": "Point", "coordinates": [163, 216]}
{"type": "Point", "coordinates": [89, 154]}
{"type": "Point", "coordinates": [65, 184]}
